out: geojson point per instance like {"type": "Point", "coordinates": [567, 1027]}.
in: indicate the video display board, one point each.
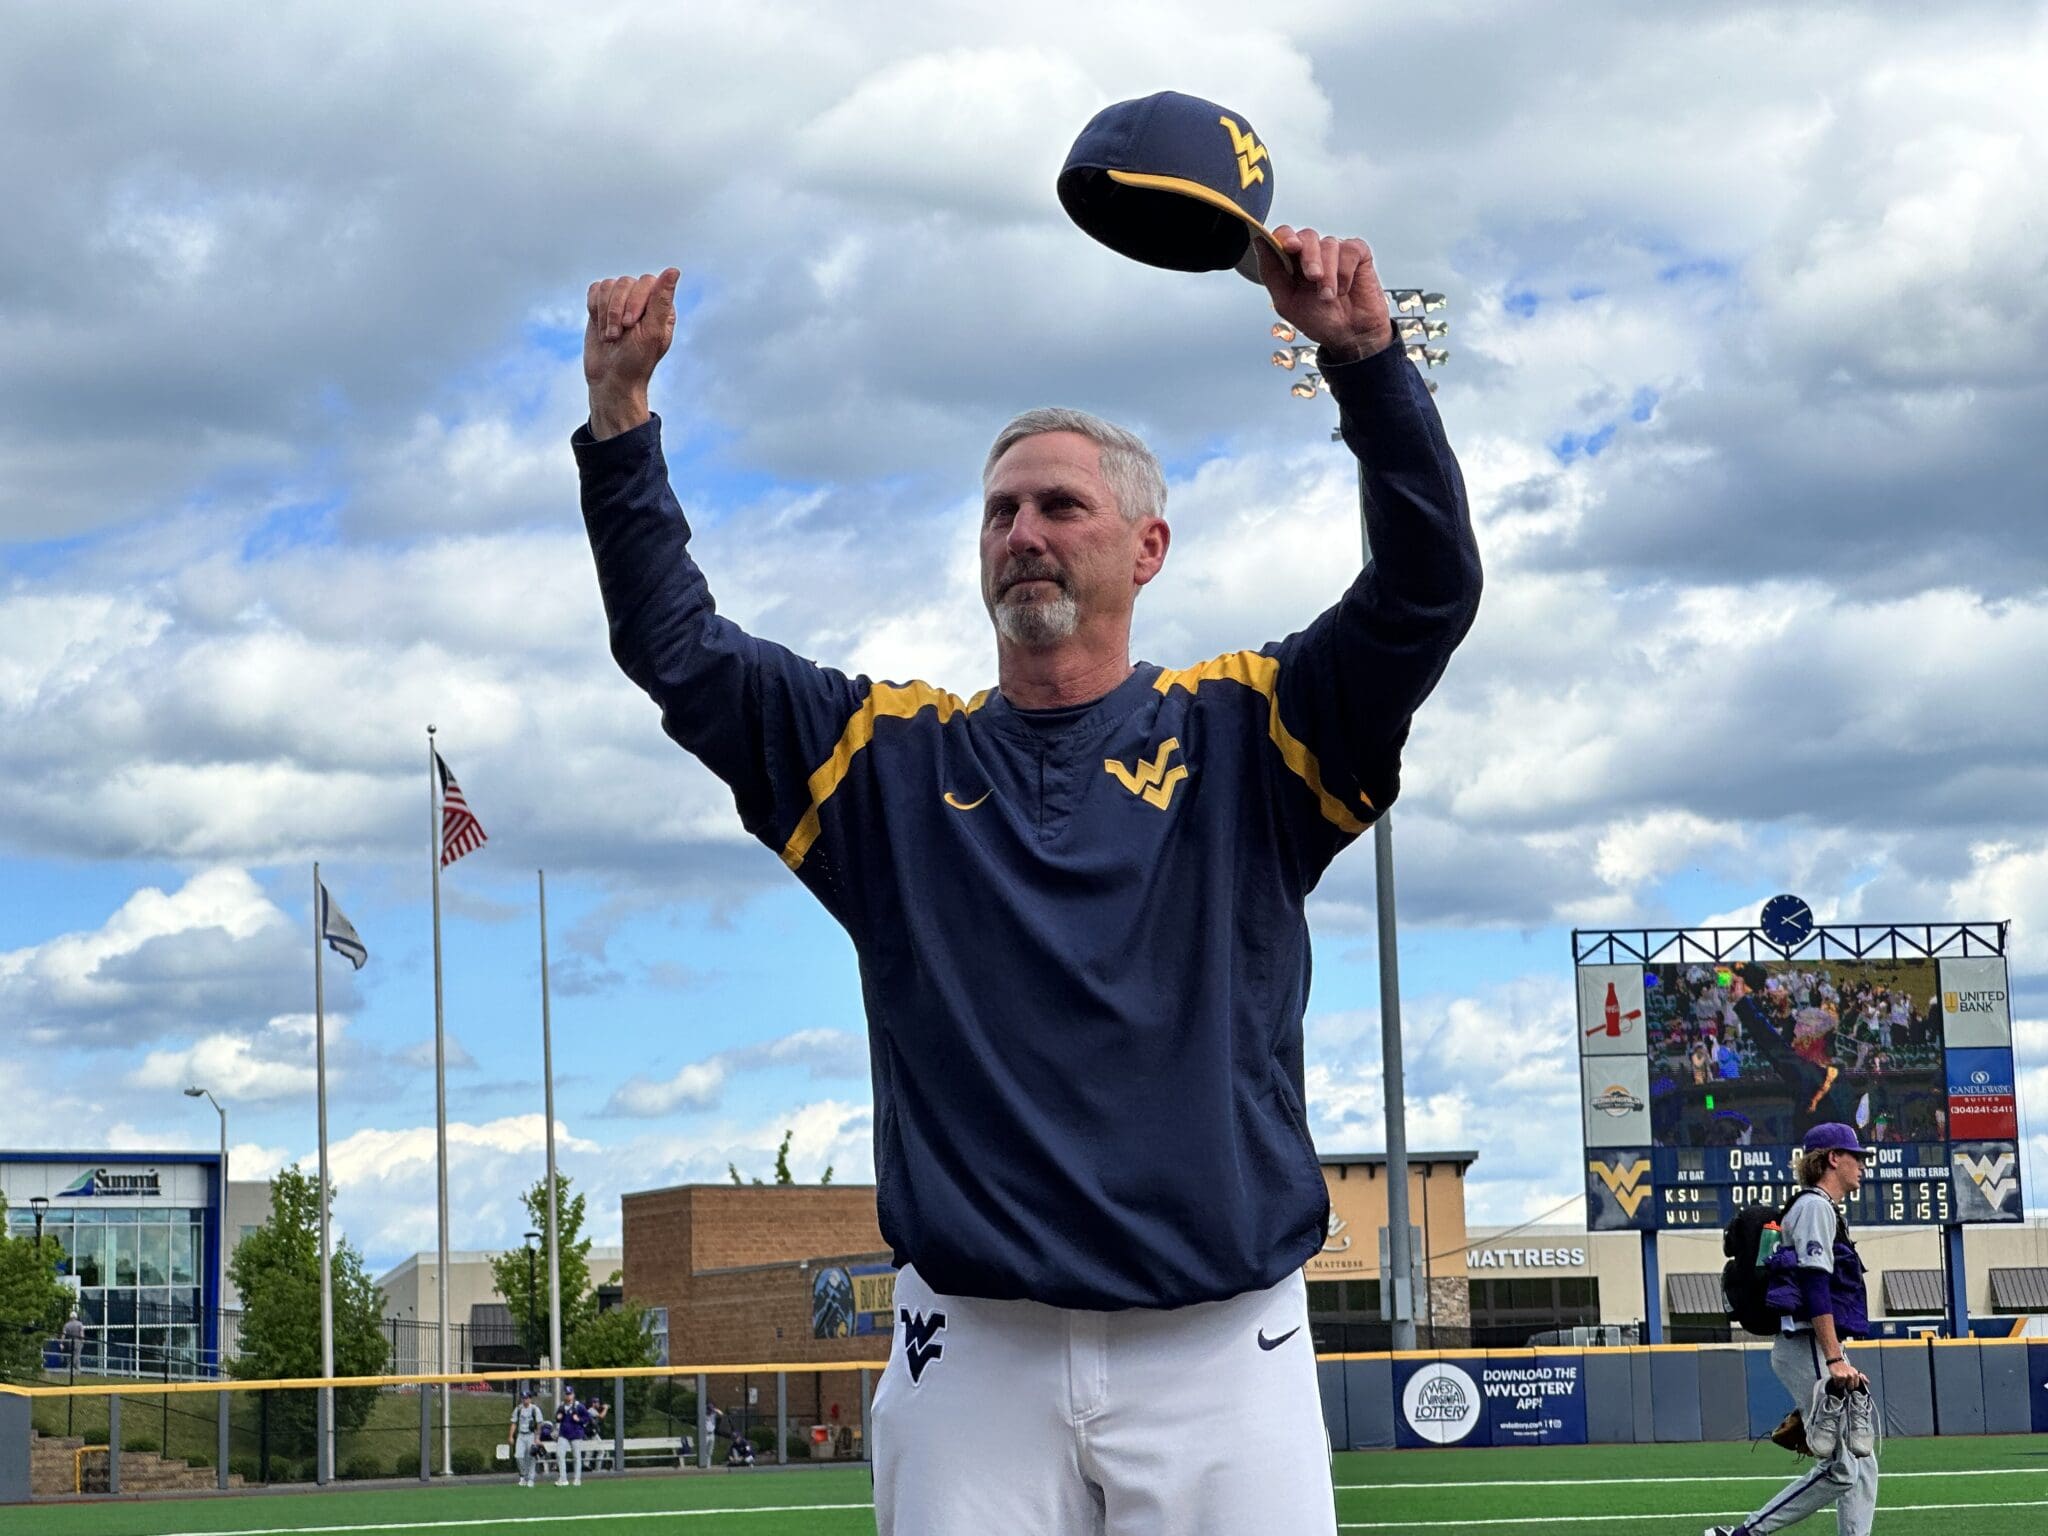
{"type": "Point", "coordinates": [1699, 1079]}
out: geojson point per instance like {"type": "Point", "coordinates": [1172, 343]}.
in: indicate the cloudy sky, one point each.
{"type": "Point", "coordinates": [1749, 317]}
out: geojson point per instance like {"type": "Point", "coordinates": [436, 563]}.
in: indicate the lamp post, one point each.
{"type": "Point", "coordinates": [1413, 331]}
{"type": "Point", "coordinates": [39, 1204]}
{"type": "Point", "coordinates": [220, 1280]}
{"type": "Point", "coordinates": [531, 1253]}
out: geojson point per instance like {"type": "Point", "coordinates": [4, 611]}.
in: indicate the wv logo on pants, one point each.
{"type": "Point", "coordinates": [921, 1344]}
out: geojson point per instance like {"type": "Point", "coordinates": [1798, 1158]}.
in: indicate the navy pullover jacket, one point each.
{"type": "Point", "coordinates": [1082, 942]}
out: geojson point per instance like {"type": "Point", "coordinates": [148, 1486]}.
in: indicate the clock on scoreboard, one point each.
{"type": "Point", "coordinates": [1700, 1077]}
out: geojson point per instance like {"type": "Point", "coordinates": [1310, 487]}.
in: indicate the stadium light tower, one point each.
{"type": "Point", "coordinates": [220, 1279]}
{"type": "Point", "coordinates": [1412, 332]}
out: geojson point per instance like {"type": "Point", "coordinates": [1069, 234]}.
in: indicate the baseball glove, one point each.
{"type": "Point", "coordinates": [1791, 1434]}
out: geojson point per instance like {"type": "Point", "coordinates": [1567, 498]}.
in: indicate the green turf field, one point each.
{"type": "Point", "coordinates": [1994, 1486]}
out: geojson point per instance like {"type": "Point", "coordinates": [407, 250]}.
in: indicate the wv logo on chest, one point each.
{"type": "Point", "coordinates": [1152, 782]}
{"type": "Point", "coordinates": [921, 1344]}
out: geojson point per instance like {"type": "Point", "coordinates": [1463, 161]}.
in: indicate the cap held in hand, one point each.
{"type": "Point", "coordinates": [1173, 181]}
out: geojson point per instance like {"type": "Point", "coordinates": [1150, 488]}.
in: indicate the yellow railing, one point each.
{"type": "Point", "coordinates": [78, 1464]}
{"type": "Point", "coordinates": [144, 1388]}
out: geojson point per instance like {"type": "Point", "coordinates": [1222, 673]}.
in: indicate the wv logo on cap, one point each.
{"type": "Point", "coordinates": [1624, 1181]}
{"type": "Point", "coordinates": [921, 1344]}
{"type": "Point", "coordinates": [1152, 782]}
{"type": "Point", "coordinates": [1249, 151]}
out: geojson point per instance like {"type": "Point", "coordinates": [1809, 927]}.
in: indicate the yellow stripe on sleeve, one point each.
{"type": "Point", "coordinates": [1262, 675]}
{"type": "Point", "coordinates": [883, 700]}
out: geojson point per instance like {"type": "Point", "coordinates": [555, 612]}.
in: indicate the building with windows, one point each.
{"type": "Point", "coordinates": [140, 1235]}
{"type": "Point", "coordinates": [481, 1333]}
{"type": "Point", "coordinates": [1531, 1279]}
{"type": "Point", "coordinates": [1344, 1279]}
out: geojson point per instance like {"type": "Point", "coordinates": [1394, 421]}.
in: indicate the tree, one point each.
{"type": "Point", "coordinates": [782, 1173]}
{"type": "Point", "coordinates": [508, 1270]}
{"type": "Point", "coordinates": [613, 1340]}
{"type": "Point", "coordinates": [277, 1270]}
{"type": "Point", "coordinates": [33, 1302]}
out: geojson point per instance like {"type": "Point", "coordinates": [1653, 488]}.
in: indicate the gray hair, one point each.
{"type": "Point", "coordinates": [1129, 467]}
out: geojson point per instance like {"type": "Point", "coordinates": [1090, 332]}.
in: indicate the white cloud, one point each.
{"type": "Point", "coordinates": [385, 1179]}
{"type": "Point", "coordinates": [420, 1056]}
{"type": "Point", "coordinates": [163, 960]}
{"type": "Point", "coordinates": [696, 1086]}
{"type": "Point", "coordinates": [2009, 880]}
{"type": "Point", "coordinates": [823, 1053]}
{"type": "Point", "coordinates": [276, 1063]}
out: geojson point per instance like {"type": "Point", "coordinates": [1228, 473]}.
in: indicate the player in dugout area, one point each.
{"type": "Point", "coordinates": [1077, 899]}
{"type": "Point", "coordinates": [573, 1426]}
{"type": "Point", "coordinates": [1818, 1289]}
{"type": "Point", "coordinates": [526, 1444]}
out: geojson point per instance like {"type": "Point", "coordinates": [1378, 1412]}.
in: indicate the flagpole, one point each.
{"type": "Point", "coordinates": [440, 1107]}
{"type": "Point", "coordinates": [547, 1066]}
{"type": "Point", "coordinates": [326, 1195]}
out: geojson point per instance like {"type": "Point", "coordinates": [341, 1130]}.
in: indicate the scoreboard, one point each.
{"type": "Point", "coordinates": [1698, 1081]}
{"type": "Point", "coordinates": [1907, 1186]}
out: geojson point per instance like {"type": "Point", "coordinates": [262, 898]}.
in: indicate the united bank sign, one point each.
{"type": "Point", "coordinates": [95, 1182]}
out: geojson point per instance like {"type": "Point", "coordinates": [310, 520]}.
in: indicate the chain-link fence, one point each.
{"type": "Point", "coordinates": [117, 1435]}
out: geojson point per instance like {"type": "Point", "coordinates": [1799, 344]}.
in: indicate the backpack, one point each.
{"type": "Point", "coordinates": [1749, 1241]}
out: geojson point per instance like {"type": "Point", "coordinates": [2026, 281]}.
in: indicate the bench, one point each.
{"type": "Point", "coordinates": [649, 1450]}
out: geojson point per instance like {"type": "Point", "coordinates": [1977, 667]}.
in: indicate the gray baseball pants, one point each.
{"type": "Point", "coordinates": [1847, 1482]}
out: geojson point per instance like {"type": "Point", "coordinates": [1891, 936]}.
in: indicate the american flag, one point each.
{"type": "Point", "coordinates": [460, 831]}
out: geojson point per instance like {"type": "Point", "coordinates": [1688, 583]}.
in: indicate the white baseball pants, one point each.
{"type": "Point", "coordinates": [1032, 1420]}
{"type": "Point", "coordinates": [1848, 1482]}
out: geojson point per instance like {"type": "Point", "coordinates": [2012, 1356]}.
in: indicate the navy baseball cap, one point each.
{"type": "Point", "coordinates": [1173, 181]}
{"type": "Point", "coordinates": [1833, 1136]}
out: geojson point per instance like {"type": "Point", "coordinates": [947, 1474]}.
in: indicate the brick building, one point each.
{"type": "Point", "coordinates": [740, 1270]}
{"type": "Point", "coordinates": [733, 1265]}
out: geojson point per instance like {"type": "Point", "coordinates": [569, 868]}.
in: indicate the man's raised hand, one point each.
{"type": "Point", "coordinates": [1331, 294]}
{"type": "Point", "coordinates": [631, 323]}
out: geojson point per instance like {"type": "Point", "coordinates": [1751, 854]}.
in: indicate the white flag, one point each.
{"type": "Point", "coordinates": [340, 933]}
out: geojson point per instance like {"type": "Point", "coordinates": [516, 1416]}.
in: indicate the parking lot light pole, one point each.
{"type": "Point", "coordinates": [220, 1282]}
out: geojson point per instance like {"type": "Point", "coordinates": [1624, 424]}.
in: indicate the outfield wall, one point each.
{"type": "Point", "coordinates": [1671, 1393]}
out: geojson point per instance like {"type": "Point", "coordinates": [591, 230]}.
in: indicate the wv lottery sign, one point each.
{"type": "Point", "coordinates": [1475, 1401]}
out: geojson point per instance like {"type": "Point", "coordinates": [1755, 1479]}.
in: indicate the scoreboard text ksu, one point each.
{"type": "Point", "coordinates": [1699, 1079]}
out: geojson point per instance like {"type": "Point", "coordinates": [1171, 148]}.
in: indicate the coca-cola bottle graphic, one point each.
{"type": "Point", "coordinates": [1610, 1025]}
